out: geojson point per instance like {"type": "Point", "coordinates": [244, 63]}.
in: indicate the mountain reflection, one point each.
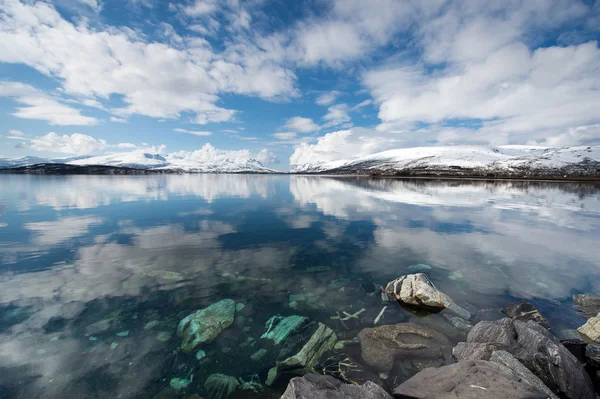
{"type": "Point", "coordinates": [84, 257]}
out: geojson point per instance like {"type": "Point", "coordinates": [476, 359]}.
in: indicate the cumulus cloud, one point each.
{"type": "Point", "coordinates": [76, 143]}
{"type": "Point", "coordinates": [193, 132]}
{"type": "Point", "coordinates": [37, 105]}
{"type": "Point", "coordinates": [327, 98]}
{"type": "Point", "coordinates": [209, 154]}
{"type": "Point", "coordinates": [337, 115]}
{"type": "Point", "coordinates": [301, 124]}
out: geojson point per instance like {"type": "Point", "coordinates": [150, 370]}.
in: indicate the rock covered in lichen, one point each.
{"type": "Point", "coordinates": [204, 325]}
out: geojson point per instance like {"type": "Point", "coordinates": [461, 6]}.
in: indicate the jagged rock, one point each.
{"type": "Point", "coordinates": [279, 327]}
{"type": "Point", "coordinates": [220, 386]}
{"type": "Point", "coordinates": [525, 311]}
{"type": "Point", "coordinates": [587, 304]}
{"type": "Point", "coordinates": [343, 367]}
{"type": "Point", "coordinates": [380, 346]}
{"type": "Point", "coordinates": [204, 325]}
{"type": "Point", "coordinates": [576, 347]}
{"type": "Point", "coordinates": [592, 355]}
{"type": "Point", "coordinates": [591, 329]}
{"type": "Point", "coordinates": [536, 348]}
{"type": "Point", "coordinates": [474, 379]}
{"type": "Point", "coordinates": [506, 359]}
{"type": "Point", "coordinates": [326, 387]}
{"type": "Point", "coordinates": [418, 291]}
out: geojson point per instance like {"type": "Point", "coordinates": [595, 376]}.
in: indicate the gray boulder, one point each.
{"type": "Point", "coordinates": [592, 355]}
{"type": "Point", "coordinates": [418, 291]}
{"type": "Point", "coordinates": [326, 387]}
{"type": "Point", "coordinates": [587, 304]}
{"type": "Point", "coordinates": [525, 311]}
{"type": "Point", "coordinates": [474, 379]}
{"type": "Point", "coordinates": [535, 348]}
{"type": "Point", "coordinates": [204, 325]}
{"type": "Point", "coordinates": [381, 346]}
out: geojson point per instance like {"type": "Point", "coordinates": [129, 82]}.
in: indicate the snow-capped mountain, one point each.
{"type": "Point", "coordinates": [502, 161]}
{"type": "Point", "coordinates": [148, 161]}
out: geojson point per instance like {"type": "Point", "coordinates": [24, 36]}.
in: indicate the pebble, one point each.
{"type": "Point", "coordinates": [293, 304]}
{"type": "Point", "coordinates": [239, 306]}
{"type": "Point", "coordinates": [113, 345]}
{"type": "Point", "coordinates": [151, 324]}
{"type": "Point", "coordinates": [163, 336]}
{"type": "Point", "coordinates": [123, 333]}
{"type": "Point", "coordinates": [200, 354]}
{"type": "Point", "coordinates": [92, 338]}
{"type": "Point", "coordinates": [258, 355]}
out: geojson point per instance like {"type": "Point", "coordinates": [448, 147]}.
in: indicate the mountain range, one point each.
{"type": "Point", "coordinates": [449, 161]}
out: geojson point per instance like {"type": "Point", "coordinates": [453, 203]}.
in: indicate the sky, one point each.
{"type": "Point", "coordinates": [292, 82]}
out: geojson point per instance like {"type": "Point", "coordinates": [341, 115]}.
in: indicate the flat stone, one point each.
{"type": "Point", "coordinates": [313, 386]}
{"type": "Point", "coordinates": [587, 304]}
{"type": "Point", "coordinates": [525, 311]}
{"type": "Point", "coordinates": [380, 346]}
{"type": "Point", "coordinates": [204, 325]}
{"type": "Point", "coordinates": [508, 360]}
{"type": "Point", "coordinates": [279, 327]}
{"type": "Point", "coordinates": [476, 379]}
{"type": "Point", "coordinates": [591, 329]}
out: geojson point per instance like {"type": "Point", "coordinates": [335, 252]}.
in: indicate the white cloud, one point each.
{"type": "Point", "coordinates": [118, 120]}
{"type": "Point", "coordinates": [37, 105]}
{"type": "Point", "coordinates": [77, 143]}
{"type": "Point", "coordinates": [301, 124]}
{"type": "Point", "coordinates": [328, 98]}
{"type": "Point", "coordinates": [93, 4]}
{"type": "Point", "coordinates": [53, 233]}
{"type": "Point", "coordinates": [194, 132]}
{"type": "Point", "coordinates": [202, 7]}
{"type": "Point", "coordinates": [266, 157]}
{"type": "Point", "coordinates": [126, 145]}
{"type": "Point", "coordinates": [14, 132]}
{"type": "Point", "coordinates": [284, 135]}
{"type": "Point", "coordinates": [209, 154]}
{"type": "Point", "coordinates": [337, 115]}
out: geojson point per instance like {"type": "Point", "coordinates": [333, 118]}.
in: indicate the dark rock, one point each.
{"type": "Point", "coordinates": [326, 387]}
{"type": "Point", "coordinates": [380, 346]}
{"type": "Point", "coordinates": [525, 311]}
{"type": "Point", "coordinates": [536, 348]}
{"type": "Point", "coordinates": [587, 304]}
{"type": "Point", "coordinates": [475, 379]}
{"type": "Point", "coordinates": [592, 355]}
{"type": "Point", "coordinates": [576, 347]}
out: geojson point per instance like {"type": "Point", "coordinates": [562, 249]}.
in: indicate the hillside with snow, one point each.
{"type": "Point", "coordinates": [469, 161]}
{"type": "Point", "coordinates": [139, 160]}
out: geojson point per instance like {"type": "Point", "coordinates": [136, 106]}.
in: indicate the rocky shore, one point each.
{"type": "Point", "coordinates": [442, 351]}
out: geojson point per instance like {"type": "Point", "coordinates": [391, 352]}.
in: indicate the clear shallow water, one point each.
{"type": "Point", "coordinates": [83, 258]}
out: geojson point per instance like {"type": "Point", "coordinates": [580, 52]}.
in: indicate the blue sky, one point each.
{"type": "Point", "coordinates": [290, 82]}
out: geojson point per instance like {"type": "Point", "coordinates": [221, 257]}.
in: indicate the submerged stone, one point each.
{"type": "Point", "coordinates": [297, 297]}
{"type": "Point", "coordinates": [293, 304]}
{"type": "Point", "coordinates": [279, 327]}
{"type": "Point", "coordinates": [179, 383]}
{"type": "Point", "coordinates": [525, 311]}
{"type": "Point", "coordinates": [258, 355]}
{"type": "Point", "coordinates": [204, 325]}
{"type": "Point", "coordinates": [123, 333]}
{"type": "Point", "coordinates": [220, 386]}
{"type": "Point", "coordinates": [164, 336]}
{"type": "Point", "coordinates": [200, 354]}
{"type": "Point", "coordinates": [113, 345]}
{"type": "Point", "coordinates": [239, 306]}
{"type": "Point", "coordinates": [421, 267]}
{"type": "Point", "coordinates": [587, 304]}
{"type": "Point", "coordinates": [151, 324]}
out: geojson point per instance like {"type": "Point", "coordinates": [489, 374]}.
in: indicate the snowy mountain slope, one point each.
{"type": "Point", "coordinates": [503, 161]}
{"type": "Point", "coordinates": [147, 161]}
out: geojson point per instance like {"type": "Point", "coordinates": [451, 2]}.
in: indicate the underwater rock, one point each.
{"type": "Point", "coordinates": [303, 350]}
{"type": "Point", "coordinates": [239, 306]}
{"type": "Point", "coordinates": [272, 376]}
{"type": "Point", "coordinates": [380, 346]}
{"type": "Point", "coordinates": [179, 383]}
{"type": "Point", "coordinates": [451, 326]}
{"type": "Point", "coordinates": [293, 304]}
{"type": "Point", "coordinates": [536, 348]}
{"type": "Point", "coordinates": [416, 290]}
{"type": "Point", "coordinates": [525, 311]}
{"type": "Point", "coordinates": [587, 304]}
{"type": "Point", "coordinates": [259, 354]}
{"type": "Point", "coordinates": [279, 327]}
{"type": "Point", "coordinates": [325, 387]}
{"type": "Point", "coordinates": [344, 368]}
{"type": "Point", "coordinates": [591, 329]}
{"type": "Point", "coordinates": [419, 268]}
{"type": "Point", "coordinates": [150, 325]}
{"type": "Point", "coordinates": [220, 386]}
{"type": "Point", "coordinates": [100, 326]}
{"type": "Point", "coordinates": [123, 333]}
{"type": "Point", "coordinates": [506, 359]}
{"type": "Point", "coordinates": [200, 354]}
{"type": "Point", "coordinates": [204, 325]}
{"type": "Point", "coordinates": [476, 379]}
{"type": "Point", "coordinates": [164, 336]}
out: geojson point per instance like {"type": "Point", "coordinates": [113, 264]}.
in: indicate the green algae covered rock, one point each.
{"type": "Point", "coordinates": [204, 325]}
{"type": "Point", "coordinates": [279, 327]}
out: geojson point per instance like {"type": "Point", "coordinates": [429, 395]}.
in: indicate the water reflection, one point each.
{"type": "Point", "coordinates": [83, 258]}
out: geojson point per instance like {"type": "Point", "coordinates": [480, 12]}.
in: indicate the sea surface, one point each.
{"type": "Point", "coordinates": [97, 271]}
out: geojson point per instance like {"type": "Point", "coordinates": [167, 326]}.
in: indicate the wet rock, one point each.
{"type": "Point", "coordinates": [380, 346]}
{"type": "Point", "coordinates": [258, 355]}
{"type": "Point", "coordinates": [220, 386]}
{"type": "Point", "coordinates": [200, 354]}
{"type": "Point", "coordinates": [592, 355]}
{"type": "Point", "coordinates": [452, 326]}
{"type": "Point", "coordinates": [302, 351]}
{"type": "Point", "coordinates": [591, 329]}
{"type": "Point", "coordinates": [506, 359]}
{"type": "Point", "coordinates": [279, 328]}
{"type": "Point", "coordinates": [179, 384]}
{"type": "Point", "coordinates": [343, 367]}
{"type": "Point", "coordinates": [476, 379]}
{"type": "Point", "coordinates": [204, 325]}
{"type": "Point", "coordinates": [587, 304]}
{"type": "Point", "coordinates": [151, 324]}
{"type": "Point", "coordinates": [536, 348]}
{"type": "Point", "coordinates": [325, 387]}
{"type": "Point", "coordinates": [416, 290]}
{"type": "Point", "coordinates": [525, 311]}
{"type": "Point", "coordinates": [164, 336]}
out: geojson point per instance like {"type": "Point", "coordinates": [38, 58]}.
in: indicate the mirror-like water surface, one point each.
{"type": "Point", "coordinates": [96, 272]}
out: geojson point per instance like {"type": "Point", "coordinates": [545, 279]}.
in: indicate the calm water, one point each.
{"type": "Point", "coordinates": [83, 258]}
